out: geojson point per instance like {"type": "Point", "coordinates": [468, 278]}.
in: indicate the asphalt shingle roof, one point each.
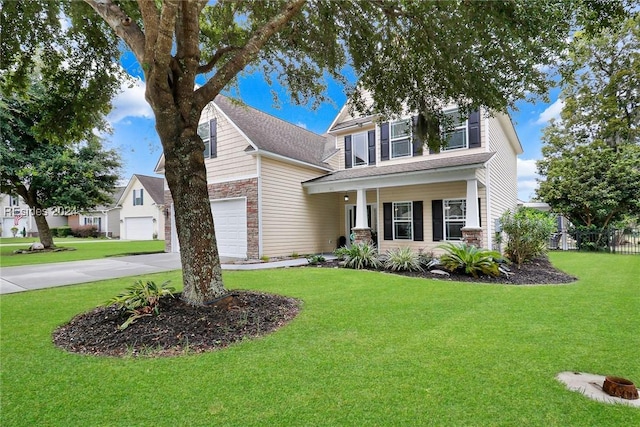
{"type": "Point", "coordinates": [425, 165]}
{"type": "Point", "coordinates": [154, 187]}
{"type": "Point", "coordinates": [274, 135]}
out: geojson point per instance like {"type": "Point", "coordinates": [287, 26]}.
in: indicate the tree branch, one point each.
{"type": "Point", "coordinates": [124, 28]}
{"type": "Point", "coordinates": [205, 68]}
{"type": "Point", "coordinates": [166, 27]}
{"type": "Point", "coordinates": [151, 19]}
{"type": "Point", "coordinates": [246, 54]}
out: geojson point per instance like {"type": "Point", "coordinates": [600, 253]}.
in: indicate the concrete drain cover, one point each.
{"type": "Point", "coordinates": [591, 386]}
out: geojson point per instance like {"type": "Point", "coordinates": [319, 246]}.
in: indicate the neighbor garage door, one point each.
{"type": "Point", "coordinates": [138, 228]}
{"type": "Point", "coordinates": [230, 219]}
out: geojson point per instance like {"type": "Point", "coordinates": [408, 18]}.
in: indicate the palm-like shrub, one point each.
{"type": "Point", "coordinates": [402, 259]}
{"type": "Point", "coordinates": [470, 259]}
{"type": "Point", "coordinates": [359, 256]}
{"type": "Point", "coordinates": [141, 299]}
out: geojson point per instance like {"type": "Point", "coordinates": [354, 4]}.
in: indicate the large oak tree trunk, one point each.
{"type": "Point", "coordinates": [44, 232]}
{"type": "Point", "coordinates": [187, 179]}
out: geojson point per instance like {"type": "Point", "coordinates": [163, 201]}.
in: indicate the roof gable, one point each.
{"type": "Point", "coordinates": [153, 185]}
{"type": "Point", "coordinates": [274, 135]}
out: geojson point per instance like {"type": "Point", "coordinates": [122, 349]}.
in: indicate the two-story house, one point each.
{"type": "Point", "coordinates": [277, 189]}
{"type": "Point", "coordinates": [141, 208]}
{"type": "Point", "coordinates": [16, 213]}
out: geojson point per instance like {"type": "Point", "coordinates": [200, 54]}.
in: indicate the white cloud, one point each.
{"type": "Point", "coordinates": [302, 125]}
{"type": "Point", "coordinates": [130, 103]}
{"type": "Point", "coordinates": [552, 112]}
{"type": "Point", "coordinates": [527, 175]}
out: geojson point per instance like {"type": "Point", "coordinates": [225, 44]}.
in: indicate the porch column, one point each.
{"type": "Point", "coordinates": [361, 231]}
{"type": "Point", "coordinates": [472, 233]}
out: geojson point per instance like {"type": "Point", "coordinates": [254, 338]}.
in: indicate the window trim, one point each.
{"type": "Point", "coordinates": [394, 221]}
{"type": "Point", "coordinates": [462, 126]}
{"type": "Point", "coordinates": [365, 136]}
{"type": "Point", "coordinates": [138, 196]}
{"type": "Point", "coordinates": [206, 139]}
{"type": "Point", "coordinates": [445, 220]}
{"type": "Point", "coordinates": [14, 200]}
{"type": "Point", "coordinates": [392, 140]}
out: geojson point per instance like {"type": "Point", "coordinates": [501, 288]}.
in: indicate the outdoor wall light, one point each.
{"type": "Point", "coordinates": [346, 197]}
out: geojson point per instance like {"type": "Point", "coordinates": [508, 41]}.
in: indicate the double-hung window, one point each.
{"type": "Point", "coordinates": [456, 136]}
{"type": "Point", "coordinates": [138, 197]}
{"type": "Point", "coordinates": [360, 150]}
{"type": "Point", "coordinates": [14, 201]}
{"type": "Point", "coordinates": [205, 135]}
{"type": "Point", "coordinates": [400, 140]}
{"type": "Point", "coordinates": [455, 213]}
{"type": "Point", "coordinates": [402, 221]}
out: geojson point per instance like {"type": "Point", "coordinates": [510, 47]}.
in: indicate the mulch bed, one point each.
{"type": "Point", "coordinates": [181, 329]}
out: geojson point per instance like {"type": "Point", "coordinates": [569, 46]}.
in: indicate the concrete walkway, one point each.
{"type": "Point", "coordinates": [29, 277]}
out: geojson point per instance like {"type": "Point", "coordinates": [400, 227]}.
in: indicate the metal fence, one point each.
{"type": "Point", "coordinates": [619, 241]}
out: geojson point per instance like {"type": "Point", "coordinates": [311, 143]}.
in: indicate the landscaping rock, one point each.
{"type": "Point", "coordinates": [36, 247]}
{"type": "Point", "coordinates": [440, 273]}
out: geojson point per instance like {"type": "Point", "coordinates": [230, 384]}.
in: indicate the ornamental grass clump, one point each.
{"type": "Point", "coordinates": [403, 259]}
{"type": "Point", "coordinates": [359, 256]}
{"type": "Point", "coordinates": [470, 260]}
{"type": "Point", "coordinates": [140, 300]}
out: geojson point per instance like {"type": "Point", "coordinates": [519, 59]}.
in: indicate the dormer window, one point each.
{"type": "Point", "coordinates": [401, 139]}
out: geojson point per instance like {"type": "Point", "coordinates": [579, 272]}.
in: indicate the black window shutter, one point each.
{"type": "Point", "coordinates": [473, 128]}
{"type": "Point", "coordinates": [417, 142]}
{"type": "Point", "coordinates": [479, 213]}
{"type": "Point", "coordinates": [347, 152]}
{"type": "Point", "coordinates": [371, 136]}
{"type": "Point", "coordinates": [418, 228]}
{"type": "Point", "coordinates": [213, 138]}
{"type": "Point", "coordinates": [387, 209]}
{"type": "Point", "coordinates": [134, 197]}
{"type": "Point", "coordinates": [438, 219]}
{"type": "Point", "coordinates": [384, 141]}
{"type": "Point", "coordinates": [141, 196]}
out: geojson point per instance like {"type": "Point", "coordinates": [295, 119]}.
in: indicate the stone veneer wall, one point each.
{"type": "Point", "coordinates": [227, 190]}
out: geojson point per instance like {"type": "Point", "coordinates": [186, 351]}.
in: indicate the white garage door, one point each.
{"type": "Point", "coordinates": [230, 220]}
{"type": "Point", "coordinates": [138, 228]}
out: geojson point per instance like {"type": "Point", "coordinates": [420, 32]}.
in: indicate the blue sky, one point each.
{"type": "Point", "coordinates": [134, 134]}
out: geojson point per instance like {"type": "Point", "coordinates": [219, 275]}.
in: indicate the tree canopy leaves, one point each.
{"type": "Point", "coordinates": [591, 158]}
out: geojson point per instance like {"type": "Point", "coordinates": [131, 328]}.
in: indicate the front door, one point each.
{"type": "Point", "coordinates": [372, 221]}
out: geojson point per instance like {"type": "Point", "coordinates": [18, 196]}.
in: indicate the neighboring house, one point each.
{"type": "Point", "coordinates": [142, 208]}
{"type": "Point", "coordinates": [105, 218]}
{"type": "Point", "coordinates": [277, 189]}
{"type": "Point", "coordinates": [16, 213]}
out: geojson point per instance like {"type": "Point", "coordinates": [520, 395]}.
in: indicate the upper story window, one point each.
{"type": "Point", "coordinates": [208, 133]}
{"type": "Point", "coordinates": [400, 139]}
{"type": "Point", "coordinates": [455, 214]}
{"type": "Point", "coordinates": [138, 197]}
{"type": "Point", "coordinates": [457, 137]}
{"type": "Point", "coordinates": [14, 201]}
{"type": "Point", "coordinates": [360, 149]}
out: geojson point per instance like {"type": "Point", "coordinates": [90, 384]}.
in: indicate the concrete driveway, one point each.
{"type": "Point", "coordinates": [29, 277]}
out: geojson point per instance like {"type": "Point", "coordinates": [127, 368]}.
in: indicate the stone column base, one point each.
{"type": "Point", "coordinates": [361, 235]}
{"type": "Point", "coordinates": [472, 236]}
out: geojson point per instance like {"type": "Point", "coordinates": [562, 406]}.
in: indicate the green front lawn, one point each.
{"type": "Point", "coordinates": [367, 349]}
{"type": "Point", "coordinates": [85, 249]}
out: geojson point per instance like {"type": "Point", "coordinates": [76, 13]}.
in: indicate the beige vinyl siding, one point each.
{"type": "Point", "coordinates": [292, 220]}
{"type": "Point", "coordinates": [502, 172]}
{"type": "Point", "coordinates": [426, 193]}
{"type": "Point", "coordinates": [232, 161]}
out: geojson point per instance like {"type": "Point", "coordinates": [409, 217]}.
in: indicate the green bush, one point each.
{"type": "Point", "coordinates": [140, 300]}
{"type": "Point", "coordinates": [64, 231]}
{"type": "Point", "coordinates": [315, 259]}
{"type": "Point", "coordinates": [470, 260]}
{"type": "Point", "coordinates": [85, 231]}
{"type": "Point", "coordinates": [359, 256]}
{"type": "Point", "coordinates": [54, 231]}
{"type": "Point", "coordinates": [403, 259]}
{"type": "Point", "coordinates": [528, 232]}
